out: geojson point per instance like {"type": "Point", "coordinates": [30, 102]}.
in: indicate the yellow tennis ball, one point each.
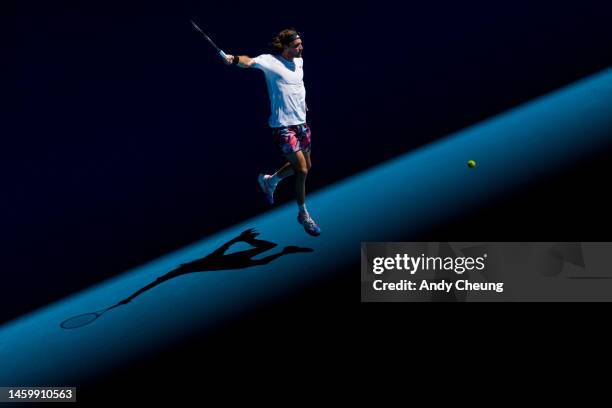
{"type": "Point", "coordinates": [471, 164]}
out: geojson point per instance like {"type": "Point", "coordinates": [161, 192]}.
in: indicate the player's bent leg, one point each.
{"type": "Point", "coordinates": [300, 168]}
{"type": "Point", "coordinates": [307, 159]}
{"type": "Point", "coordinates": [268, 182]}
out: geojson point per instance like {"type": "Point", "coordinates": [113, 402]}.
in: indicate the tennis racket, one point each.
{"type": "Point", "coordinates": [219, 50]}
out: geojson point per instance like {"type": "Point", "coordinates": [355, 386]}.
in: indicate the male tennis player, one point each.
{"type": "Point", "coordinates": [284, 77]}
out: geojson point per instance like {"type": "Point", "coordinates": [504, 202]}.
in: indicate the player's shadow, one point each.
{"type": "Point", "coordinates": [215, 261]}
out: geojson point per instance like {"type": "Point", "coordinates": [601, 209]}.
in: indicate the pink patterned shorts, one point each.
{"type": "Point", "coordinates": [292, 139]}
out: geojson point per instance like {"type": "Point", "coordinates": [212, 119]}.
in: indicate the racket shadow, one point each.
{"type": "Point", "coordinates": [215, 261]}
{"type": "Point", "coordinates": [80, 320]}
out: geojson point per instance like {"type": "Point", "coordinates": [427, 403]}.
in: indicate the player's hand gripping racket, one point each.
{"type": "Point", "coordinates": [219, 50]}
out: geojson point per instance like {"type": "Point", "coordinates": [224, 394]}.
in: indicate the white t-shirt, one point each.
{"type": "Point", "coordinates": [286, 89]}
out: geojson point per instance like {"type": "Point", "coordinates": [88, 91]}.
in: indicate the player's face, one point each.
{"type": "Point", "coordinates": [295, 48]}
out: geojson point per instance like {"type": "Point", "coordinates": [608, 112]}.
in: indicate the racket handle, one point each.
{"type": "Point", "coordinates": [222, 54]}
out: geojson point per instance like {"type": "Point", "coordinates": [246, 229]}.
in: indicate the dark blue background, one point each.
{"type": "Point", "coordinates": [124, 137]}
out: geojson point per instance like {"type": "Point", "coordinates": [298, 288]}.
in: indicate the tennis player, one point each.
{"type": "Point", "coordinates": [283, 70]}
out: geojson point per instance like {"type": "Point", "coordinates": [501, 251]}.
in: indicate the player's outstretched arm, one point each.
{"type": "Point", "coordinates": [243, 61]}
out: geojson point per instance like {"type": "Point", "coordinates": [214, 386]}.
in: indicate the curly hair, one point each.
{"type": "Point", "coordinates": [284, 38]}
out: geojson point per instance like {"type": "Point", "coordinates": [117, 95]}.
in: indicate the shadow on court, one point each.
{"type": "Point", "coordinates": [215, 261]}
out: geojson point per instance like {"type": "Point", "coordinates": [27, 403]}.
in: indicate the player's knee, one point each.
{"type": "Point", "coordinates": [302, 171]}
